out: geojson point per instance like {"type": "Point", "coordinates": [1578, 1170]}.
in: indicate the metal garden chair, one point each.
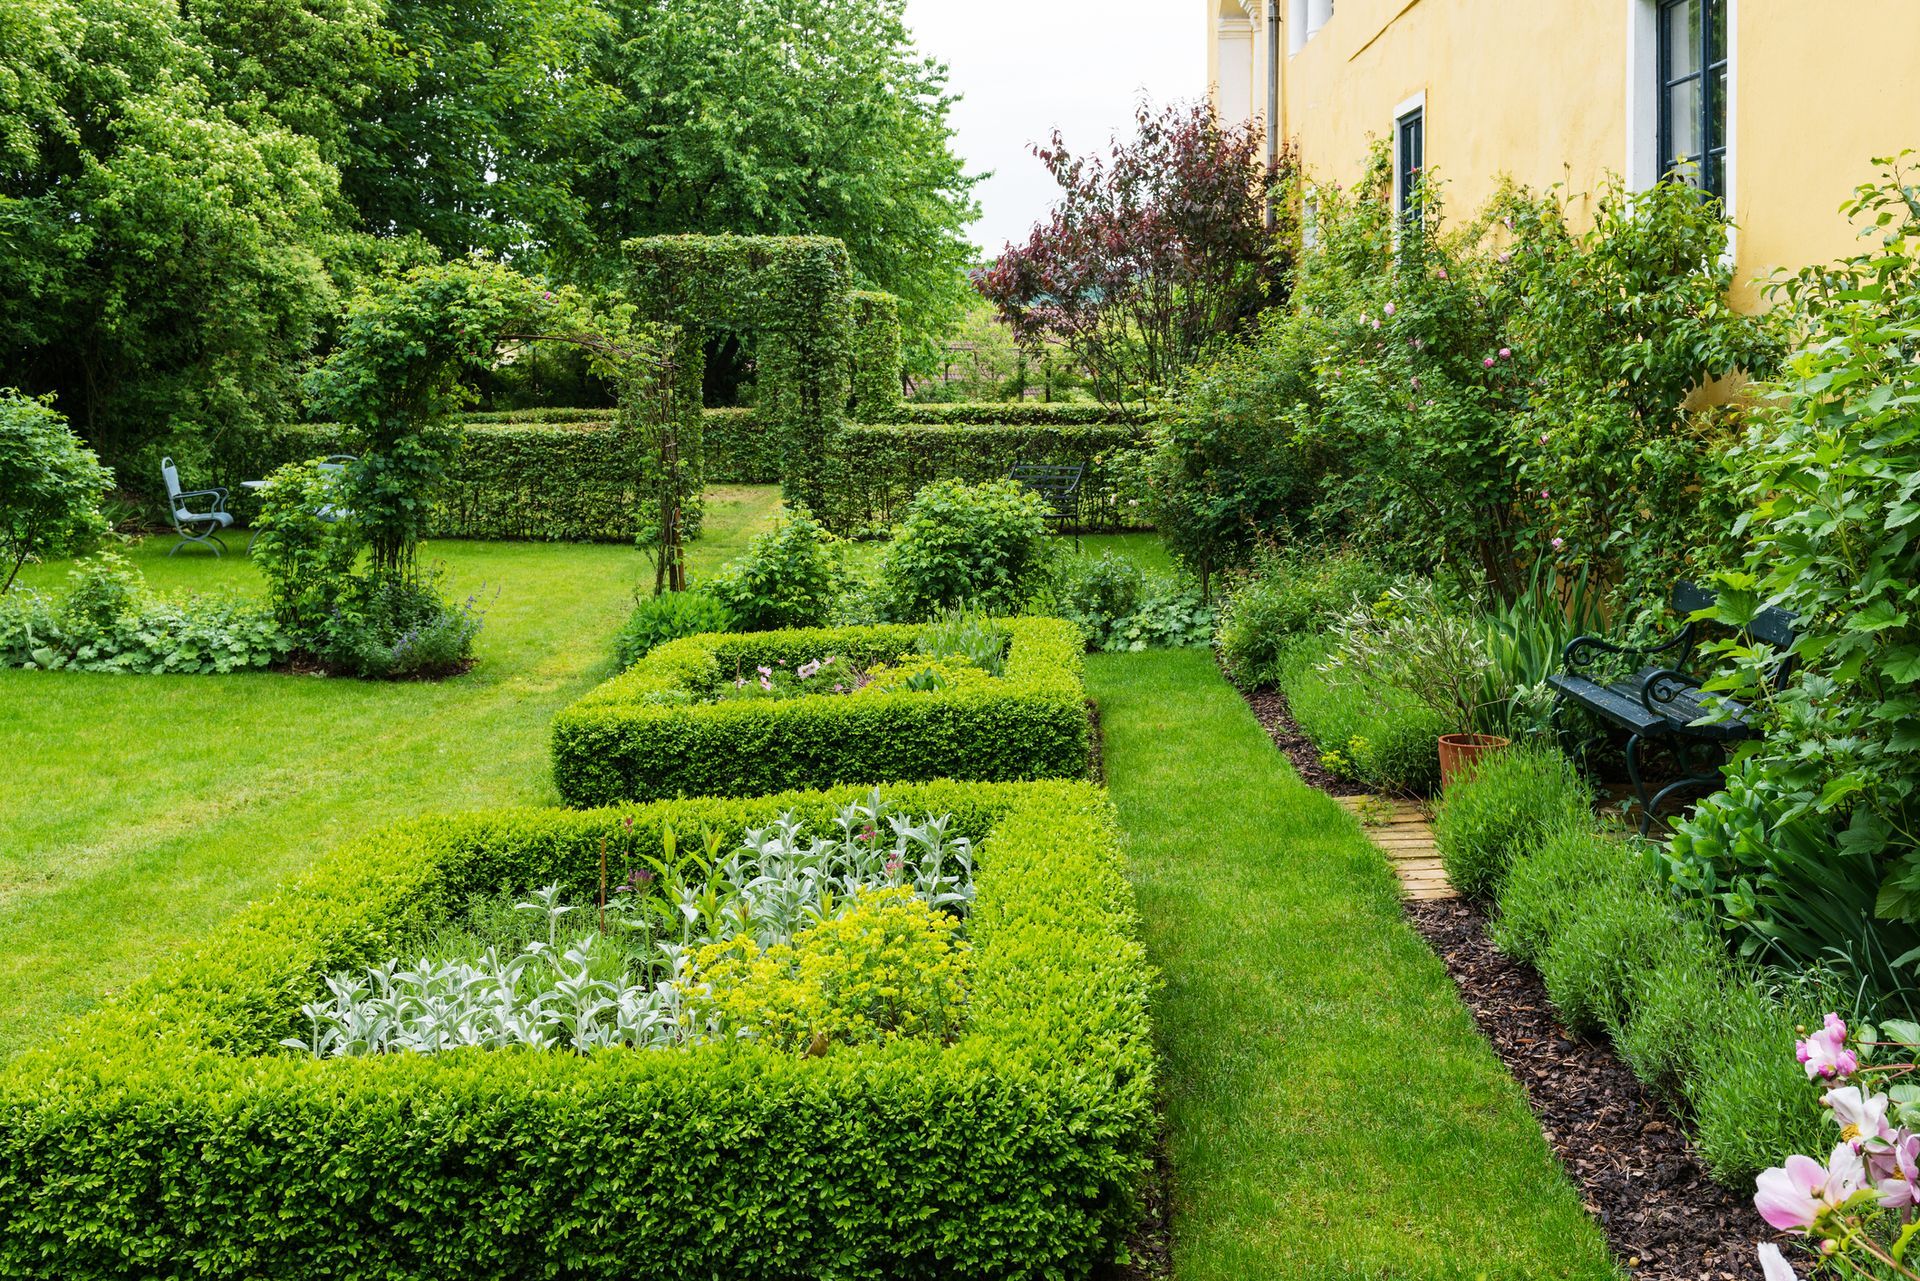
{"type": "Point", "coordinates": [202, 527]}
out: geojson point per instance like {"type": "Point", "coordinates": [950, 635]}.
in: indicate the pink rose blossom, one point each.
{"type": "Point", "coordinates": [1389, 309]}
{"type": "Point", "coordinates": [1558, 543]}
{"type": "Point", "coordinates": [1488, 362]}
{"type": "Point", "coordinates": [1443, 273]}
{"type": "Point", "coordinates": [1506, 353]}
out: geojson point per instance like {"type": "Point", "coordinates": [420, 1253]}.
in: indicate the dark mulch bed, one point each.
{"type": "Point", "coordinates": [1150, 1248]}
{"type": "Point", "coordinates": [1270, 706]}
{"type": "Point", "coordinates": [1624, 1149]}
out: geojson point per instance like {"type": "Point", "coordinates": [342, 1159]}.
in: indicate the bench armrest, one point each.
{"type": "Point", "coordinates": [1660, 688]}
{"type": "Point", "coordinates": [1582, 650]}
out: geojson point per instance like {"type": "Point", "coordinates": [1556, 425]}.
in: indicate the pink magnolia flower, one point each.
{"type": "Point", "coordinates": [1793, 1196]}
{"type": "Point", "coordinates": [1862, 1117]}
{"type": "Point", "coordinates": [1825, 1053]}
{"type": "Point", "coordinates": [1774, 1265]}
{"type": "Point", "coordinates": [1900, 1188]}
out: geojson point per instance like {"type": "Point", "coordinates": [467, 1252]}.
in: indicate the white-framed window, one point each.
{"type": "Point", "coordinates": [1682, 94]}
{"type": "Point", "coordinates": [1409, 156]}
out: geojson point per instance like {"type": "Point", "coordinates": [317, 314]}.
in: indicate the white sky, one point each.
{"type": "Point", "coordinates": [1025, 67]}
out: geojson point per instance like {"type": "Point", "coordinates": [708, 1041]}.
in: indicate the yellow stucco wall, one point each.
{"type": "Point", "coordinates": [1540, 91]}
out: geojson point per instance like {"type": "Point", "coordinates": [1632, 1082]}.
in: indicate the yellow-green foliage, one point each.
{"type": "Point", "coordinates": [913, 674]}
{"type": "Point", "coordinates": [888, 966]}
{"type": "Point", "coordinates": [644, 735]}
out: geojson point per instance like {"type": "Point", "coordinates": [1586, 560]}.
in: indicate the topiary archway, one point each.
{"type": "Point", "coordinates": [395, 379]}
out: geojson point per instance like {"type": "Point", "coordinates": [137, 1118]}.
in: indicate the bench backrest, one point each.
{"type": "Point", "coordinates": [1771, 625]}
{"type": "Point", "coordinates": [1055, 480]}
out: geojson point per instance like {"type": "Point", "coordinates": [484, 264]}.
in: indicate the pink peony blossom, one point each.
{"type": "Point", "coordinates": [1774, 1265]}
{"type": "Point", "coordinates": [1825, 1053]}
{"type": "Point", "coordinates": [1900, 1188]}
{"type": "Point", "coordinates": [1792, 1197]}
{"type": "Point", "coordinates": [1862, 1117]}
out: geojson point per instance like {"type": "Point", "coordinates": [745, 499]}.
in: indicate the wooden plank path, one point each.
{"type": "Point", "coordinates": [1402, 831]}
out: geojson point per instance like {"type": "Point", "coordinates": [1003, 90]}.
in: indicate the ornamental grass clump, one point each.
{"type": "Point", "coordinates": [1504, 811]}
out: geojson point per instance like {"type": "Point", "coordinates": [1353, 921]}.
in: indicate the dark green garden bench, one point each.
{"type": "Point", "coordinates": [1662, 703]}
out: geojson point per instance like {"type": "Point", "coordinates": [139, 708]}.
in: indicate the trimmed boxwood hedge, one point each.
{"type": "Point", "coordinates": [166, 1136]}
{"type": "Point", "coordinates": [1022, 413]}
{"type": "Point", "coordinates": [533, 473]}
{"type": "Point", "coordinates": [876, 469]}
{"type": "Point", "coordinates": [622, 742]}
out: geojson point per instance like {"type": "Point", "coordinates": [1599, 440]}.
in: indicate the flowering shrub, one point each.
{"type": "Point", "coordinates": [1860, 1204]}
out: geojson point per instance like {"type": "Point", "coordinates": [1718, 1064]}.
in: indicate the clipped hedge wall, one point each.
{"type": "Point", "coordinates": [530, 473]}
{"type": "Point", "coordinates": [166, 1136]}
{"type": "Point", "coordinates": [620, 742]}
{"type": "Point", "coordinates": [875, 470]}
{"type": "Point", "coordinates": [1023, 413]}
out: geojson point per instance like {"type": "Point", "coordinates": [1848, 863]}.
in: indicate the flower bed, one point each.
{"type": "Point", "coordinates": [169, 1134]}
{"type": "Point", "coordinates": [655, 732]}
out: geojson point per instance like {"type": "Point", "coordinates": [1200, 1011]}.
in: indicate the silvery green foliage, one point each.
{"type": "Point", "coordinates": [582, 990]}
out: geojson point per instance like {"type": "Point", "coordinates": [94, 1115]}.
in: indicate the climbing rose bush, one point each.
{"type": "Point", "coordinates": [1859, 1204]}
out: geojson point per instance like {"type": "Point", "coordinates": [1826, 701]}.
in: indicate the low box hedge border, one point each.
{"type": "Point", "coordinates": [1022, 413]}
{"type": "Point", "coordinates": [614, 744]}
{"type": "Point", "coordinates": [165, 1135]}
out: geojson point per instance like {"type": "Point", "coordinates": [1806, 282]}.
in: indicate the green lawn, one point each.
{"type": "Point", "coordinates": [139, 811]}
{"type": "Point", "coordinates": [1332, 1111]}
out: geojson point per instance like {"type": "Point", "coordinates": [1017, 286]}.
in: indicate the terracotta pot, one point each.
{"type": "Point", "coordinates": [1461, 754]}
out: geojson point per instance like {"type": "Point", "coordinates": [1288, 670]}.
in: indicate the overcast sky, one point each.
{"type": "Point", "coordinates": [1024, 67]}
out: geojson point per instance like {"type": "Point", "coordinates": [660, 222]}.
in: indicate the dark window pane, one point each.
{"type": "Point", "coordinates": [1714, 174]}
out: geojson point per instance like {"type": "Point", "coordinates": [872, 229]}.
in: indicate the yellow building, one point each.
{"type": "Point", "coordinates": [1779, 106]}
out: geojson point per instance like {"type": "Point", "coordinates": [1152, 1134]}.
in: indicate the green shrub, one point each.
{"type": "Point", "coordinates": [1122, 608]}
{"type": "Point", "coordinates": [1503, 812]}
{"type": "Point", "coordinates": [166, 1135]}
{"type": "Point", "coordinates": [52, 485]}
{"type": "Point", "coordinates": [1749, 1097]}
{"type": "Point", "coordinates": [788, 577]}
{"type": "Point", "coordinates": [963, 545]}
{"type": "Point", "coordinates": [107, 622]}
{"type": "Point", "coordinates": [1286, 597]}
{"type": "Point", "coordinates": [1549, 879]}
{"type": "Point", "coordinates": [875, 470]}
{"type": "Point", "coordinates": [648, 733]}
{"type": "Point", "coordinates": [305, 554]}
{"type": "Point", "coordinates": [398, 629]}
{"type": "Point", "coordinates": [669, 616]}
{"type": "Point", "coordinates": [1619, 955]}
{"type": "Point", "coordinates": [1382, 739]}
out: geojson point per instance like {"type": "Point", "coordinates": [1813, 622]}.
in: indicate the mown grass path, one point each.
{"type": "Point", "coordinates": [1332, 1111]}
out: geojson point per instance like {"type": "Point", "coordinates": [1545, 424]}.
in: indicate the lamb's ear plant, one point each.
{"type": "Point", "coordinates": [633, 985]}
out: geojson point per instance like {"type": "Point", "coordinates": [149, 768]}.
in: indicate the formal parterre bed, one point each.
{"type": "Point", "coordinates": [675, 725]}
{"type": "Point", "coordinates": [173, 1133]}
